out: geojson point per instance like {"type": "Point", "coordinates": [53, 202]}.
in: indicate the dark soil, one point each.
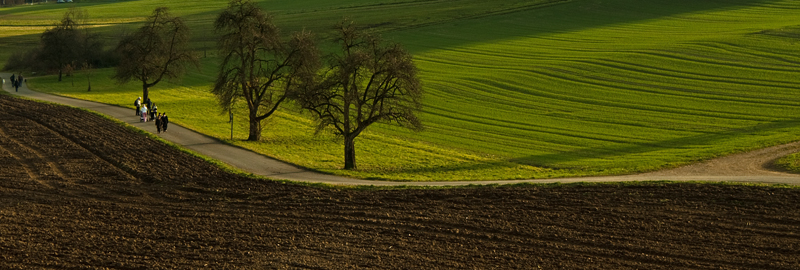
{"type": "Point", "coordinates": [78, 191]}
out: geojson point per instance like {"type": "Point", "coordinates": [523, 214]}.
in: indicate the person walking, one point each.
{"type": "Point", "coordinates": [138, 104]}
{"type": "Point", "coordinates": [20, 80]}
{"type": "Point", "coordinates": [153, 111]}
{"type": "Point", "coordinates": [164, 122]}
{"type": "Point", "coordinates": [158, 123]}
{"type": "Point", "coordinates": [148, 103]}
{"type": "Point", "coordinates": [144, 113]}
{"type": "Point", "coordinates": [15, 83]}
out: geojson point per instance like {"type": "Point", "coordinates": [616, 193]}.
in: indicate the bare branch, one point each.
{"type": "Point", "coordinates": [268, 67]}
{"type": "Point", "coordinates": [367, 83]}
{"type": "Point", "coordinates": [157, 50]}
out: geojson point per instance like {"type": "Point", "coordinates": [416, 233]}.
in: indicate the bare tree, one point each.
{"type": "Point", "coordinates": [259, 67]}
{"type": "Point", "coordinates": [69, 43]}
{"type": "Point", "coordinates": [63, 45]}
{"type": "Point", "coordinates": [369, 82]}
{"type": "Point", "coordinates": [157, 50]}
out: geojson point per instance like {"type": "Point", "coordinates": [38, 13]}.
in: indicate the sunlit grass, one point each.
{"type": "Point", "coordinates": [578, 88]}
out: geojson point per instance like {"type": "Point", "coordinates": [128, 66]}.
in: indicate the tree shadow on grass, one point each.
{"type": "Point", "coordinates": [551, 18]}
{"type": "Point", "coordinates": [420, 36]}
{"type": "Point", "coordinates": [563, 161]}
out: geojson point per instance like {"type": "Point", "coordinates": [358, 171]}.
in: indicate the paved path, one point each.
{"type": "Point", "coordinates": [715, 170]}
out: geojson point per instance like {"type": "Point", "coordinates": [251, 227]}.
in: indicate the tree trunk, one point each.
{"type": "Point", "coordinates": [145, 92]}
{"type": "Point", "coordinates": [59, 75]}
{"type": "Point", "coordinates": [255, 128]}
{"type": "Point", "coordinates": [349, 153]}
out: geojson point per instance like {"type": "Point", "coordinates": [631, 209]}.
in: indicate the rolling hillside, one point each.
{"type": "Point", "coordinates": [514, 89]}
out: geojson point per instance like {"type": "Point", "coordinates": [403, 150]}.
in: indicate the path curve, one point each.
{"type": "Point", "coordinates": [743, 167]}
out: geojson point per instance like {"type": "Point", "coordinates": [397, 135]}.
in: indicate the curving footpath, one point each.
{"type": "Point", "coordinates": [744, 167]}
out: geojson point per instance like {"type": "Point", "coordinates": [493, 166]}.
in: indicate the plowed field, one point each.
{"type": "Point", "coordinates": [78, 191]}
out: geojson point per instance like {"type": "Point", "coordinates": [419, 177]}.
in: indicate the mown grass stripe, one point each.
{"type": "Point", "coordinates": [580, 88]}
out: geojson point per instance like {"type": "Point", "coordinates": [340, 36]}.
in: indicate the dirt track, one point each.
{"type": "Point", "coordinates": [77, 192]}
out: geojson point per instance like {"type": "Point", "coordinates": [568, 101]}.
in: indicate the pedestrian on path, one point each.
{"type": "Point", "coordinates": [148, 103]}
{"type": "Point", "coordinates": [158, 123]}
{"type": "Point", "coordinates": [143, 113]}
{"type": "Point", "coordinates": [15, 83]}
{"type": "Point", "coordinates": [153, 111]}
{"type": "Point", "coordinates": [138, 104]}
{"type": "Point", "coordinates": [164, 122]}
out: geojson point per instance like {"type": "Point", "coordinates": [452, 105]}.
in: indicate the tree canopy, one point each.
{"type": "Point", "coordinates": [67, 46]}
{"type": "Point", "coordinates": [370, 81]}
{"type": "Point", "coordinates": [259, 66]}
{"type": "Point", "coordinates": [157, 50]}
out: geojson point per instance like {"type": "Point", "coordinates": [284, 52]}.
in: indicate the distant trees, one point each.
{"type": "Point", "coordinates": [368, 82]}
{"type": "Point", "coordinates": [259, 67]}
{"type": "Point", "coordinates": [67, 46]}
{"type": "Point", "coordinates": [13, 2]}
{"type": "Point", "coordinates": [157, 50]}
{"type": "Point", "coordinates": [61, 44]}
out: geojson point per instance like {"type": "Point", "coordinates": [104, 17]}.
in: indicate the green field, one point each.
{"type": "Point", "coordinates": [514, 89]}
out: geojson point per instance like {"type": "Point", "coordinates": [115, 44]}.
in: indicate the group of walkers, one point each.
{"type": "Point", "coordinates": [17, 82]}
{"type": "Point", "coordinates": [145, 114]}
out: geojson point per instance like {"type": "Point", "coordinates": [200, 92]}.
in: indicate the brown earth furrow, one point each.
{"type": "Point", "coordinates": [29, 160]}
{"type": "Point", "coordinates": [189, 214]}
{"type": "Point", "coordinates": [573, 246]}
{"type": "Point", "coordinates": [56, 140]}
{"type": "Point", "coordinates": [59, 162]}
{"type": "Point", "coordinates": [33, 151]}
{"type": "Point", "coordinates": [10, 165]}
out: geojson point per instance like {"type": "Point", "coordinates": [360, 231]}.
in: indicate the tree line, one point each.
{"type": "Point", "coordinates": [366, 80]}
{"type": "Point", "coordinates": [69, 45]}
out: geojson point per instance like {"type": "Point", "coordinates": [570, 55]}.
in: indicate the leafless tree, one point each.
{"type": "Point", "coordinates": [157, 50]}
{"type": "Point", "coordinates": [368, 82]}
{"type": "Point", "coordinates": [70, 42]}
{"type": "Point", "coordinates": [260, 67]}
{"type": "Point", "coordinates": [65, 44]}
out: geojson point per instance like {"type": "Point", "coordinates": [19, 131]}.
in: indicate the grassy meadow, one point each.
{"type": "Point", "coordinates": [513, 89]}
